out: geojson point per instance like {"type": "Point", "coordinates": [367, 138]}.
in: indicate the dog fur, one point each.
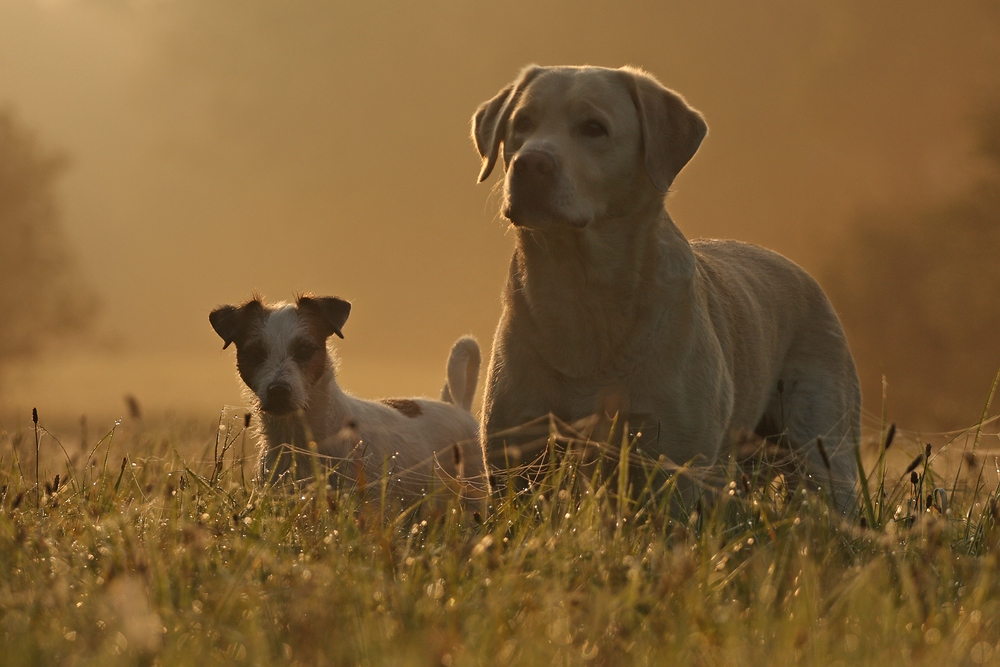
{"type": "Point", "coordinates": [608, 309]}
{"type": "Point", "coordinates": [283, 359]}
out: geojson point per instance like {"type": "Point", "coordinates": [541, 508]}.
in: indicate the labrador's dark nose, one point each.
{"type": "Point", "coordinates": [535, 167]}
{"type": "Point", "coordinates": [278, 400]}
{"type": "Point", "coordinates": [532, 180]}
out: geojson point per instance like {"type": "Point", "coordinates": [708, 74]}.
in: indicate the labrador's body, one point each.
{"type": "Point", "coordinates": [608, 308]}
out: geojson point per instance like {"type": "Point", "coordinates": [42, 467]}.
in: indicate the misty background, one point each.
{"type": "Point", "coordinates": [182, 154]}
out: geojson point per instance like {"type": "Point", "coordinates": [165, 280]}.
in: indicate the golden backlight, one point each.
{"type": "Point", "coordinates": [222, 147]}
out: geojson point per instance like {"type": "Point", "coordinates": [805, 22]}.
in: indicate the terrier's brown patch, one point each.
{"type": "Point", "coordinates": [406, 406]}
{"type": "Point", "coordinates": [311, 357]}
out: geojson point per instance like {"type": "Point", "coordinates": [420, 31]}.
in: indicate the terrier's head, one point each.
{"type": "Point", "coordinates": [281, 349]}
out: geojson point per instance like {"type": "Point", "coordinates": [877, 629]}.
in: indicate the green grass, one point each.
{"type": "Point", "coordinates": [173, 556]}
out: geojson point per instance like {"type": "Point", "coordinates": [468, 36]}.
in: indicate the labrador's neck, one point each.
{"type": "Point", "coordinates": [594, 295]}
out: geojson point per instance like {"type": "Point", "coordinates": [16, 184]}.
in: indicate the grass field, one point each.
{"type": "Point", "coordinates": [155, 547]}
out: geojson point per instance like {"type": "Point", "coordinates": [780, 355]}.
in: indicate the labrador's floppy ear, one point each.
{"type": "Point", "coordinates": [229, 321]}
{"type": "Point", "coordinates": [490, 122]}
{"type": "Point", "coordinates": [329, 311]}
{"type": "Point", "coordinates": [671, 130]}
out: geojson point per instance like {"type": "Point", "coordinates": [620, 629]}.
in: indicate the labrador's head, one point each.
{"type": "Point", "coordinates": [584, 143]}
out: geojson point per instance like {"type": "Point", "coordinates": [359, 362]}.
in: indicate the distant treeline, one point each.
{"type": "Point", "coordinates": [919, 294]}
{"type": "Point", "coordinates": [42, 296]}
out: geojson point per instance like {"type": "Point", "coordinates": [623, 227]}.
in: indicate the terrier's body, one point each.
{"type": "Point", "coordinates": [610, 310]}
{"type": "Point", "coordinates": [283, 359]}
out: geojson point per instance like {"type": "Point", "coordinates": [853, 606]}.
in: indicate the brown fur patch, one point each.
{"type": "Point", "coordinates": [311, 357]}
{"type": "Point", "coordinates": [323, 315]}
{"type": "Point", "coordinates": [313, 322]}
{"type": "Point", "coordinates": [251, 350]}
{"type": "Point", "coordinates": [406, 406]}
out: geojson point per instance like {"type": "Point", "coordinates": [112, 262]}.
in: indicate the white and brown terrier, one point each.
{"type": "Point", "coordinates": [419, 443]}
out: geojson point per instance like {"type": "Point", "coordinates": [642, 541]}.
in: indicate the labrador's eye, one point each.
{"type": "Point", "coordinates": [522, 124]}
{"type": "Point", "coordinates": [593, 128]}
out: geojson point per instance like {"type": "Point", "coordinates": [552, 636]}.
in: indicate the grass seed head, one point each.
{"type": "Point", "coordinates": [889, 436]}
{"type": "Point", "coordinates": [134, 409]}
{"type": "Point", "coordinates": [913, 464]}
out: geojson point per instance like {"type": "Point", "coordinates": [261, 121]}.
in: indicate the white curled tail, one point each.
{"type": "Point", "coordinates": [463, 373]}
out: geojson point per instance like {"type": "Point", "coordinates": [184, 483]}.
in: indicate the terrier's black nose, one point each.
{"type": "Point", "coordinates": [278, 399]}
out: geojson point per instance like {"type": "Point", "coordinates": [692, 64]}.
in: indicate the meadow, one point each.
{"type": "Point", "coordinates": [155, 545]}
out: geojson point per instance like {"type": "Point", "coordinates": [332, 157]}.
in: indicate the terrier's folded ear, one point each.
{"type": "Point", "coordinates": [225, 321]}
{"type": "Point", "coordinates": [230, 322]}
{"type": "Point", "coordinates": [329, 312]}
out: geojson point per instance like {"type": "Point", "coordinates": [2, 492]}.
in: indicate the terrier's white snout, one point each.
{"type": "Point", "coordinates": [278, 398]}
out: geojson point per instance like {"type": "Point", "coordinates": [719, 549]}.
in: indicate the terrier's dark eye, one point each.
{"type": "Point", "coordinates": [593, 128]}
{"type": "Point", "coordinates": [250, 355]}
{"type": "Point", "coordinates": [303, 351]}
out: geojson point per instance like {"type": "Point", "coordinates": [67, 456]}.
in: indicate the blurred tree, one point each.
{"type": "Point", "coordinates": [919, 295]}
{"type": "Point", "coordinates": [42, 298]}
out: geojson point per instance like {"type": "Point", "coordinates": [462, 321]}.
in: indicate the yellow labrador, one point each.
{"type": "Point", "coordinates": [608, 307]}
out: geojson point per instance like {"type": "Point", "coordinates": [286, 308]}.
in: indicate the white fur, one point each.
{"type": "Point", "coordinates": [463, 372]}
{"type": "Point", "coordinates": [361, 439]}
{"type": "Point", "coordinates": [282, 328]}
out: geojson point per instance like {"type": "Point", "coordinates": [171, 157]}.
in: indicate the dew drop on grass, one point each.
{"type": "Point", "coordinates": [981, 653]}
{"type": "Point", "coordinates": [435, 590]}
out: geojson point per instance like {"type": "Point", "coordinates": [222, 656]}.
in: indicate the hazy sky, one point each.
{"type": "Point", "coordinates": [221, 147]}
